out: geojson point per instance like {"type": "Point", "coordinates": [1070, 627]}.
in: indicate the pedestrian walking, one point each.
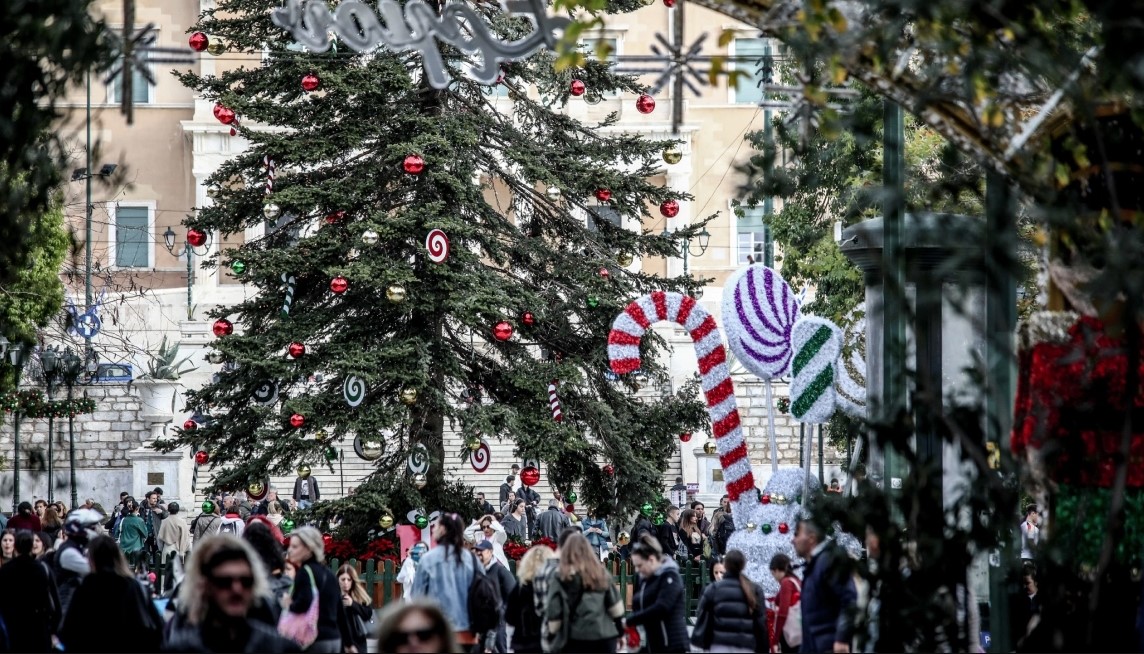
{"type": "Point", "coordinates": [110, 595]}
{"type": "Point", "coordinates": [69, 563]}
{"type": "Point", "coordinates": [1030, 534]}
{"type": "Point", "coordinates": [231, 521]}
{"type": "Point", "coordinates": [521, 608]}
{"type": "Point", "coordinates": [224, 576]}
{"type": "Point", "coordinates": [25, 518]}
{"type": "Point", "coordinates": [51, 523]}
{"type": "Point", "coordinates": [445, 573]}
{"type": "Point", "coordinates": [358, 608]}
{"type": "Point", "coordinates": [207, 522]}
{"type": "Point", "coordinates": [505, 585]}
{"type": "Point", "coordinates": [668, 534]}
{"type": "Point", "coordinates": [314, 584]}
{"type": "Point", "coordinates": [29, 606]}
{"type": "Point", "coordinates": [583, 611]}
{"type": "Point", "coordinates": [174, 541]}
{"type": "Point", "coordinates": [415, 627]}
{"type": "Point", "coordinates": [788, 612]}
{"type": "Point", "coordinates": [657, 598]}
{"type": "Point", "coordinates": [643, 526]}
{"type": "Point", "coordinates": [732, 615]}
{"type": "Point", "coordinates": [506, 489]}
{"type": "Point", "coordinates": [553, 521]}
{"type": "Point", "coordinates": [541, 582]}
{"type": "Point", "coordinates": [829, 596]}
{"type": "Point", "coordinates": [273, 557]}
{"type": "Point", "coordinates": [515, 522]}
{"type": "Point", "coordinates": [132, 535]}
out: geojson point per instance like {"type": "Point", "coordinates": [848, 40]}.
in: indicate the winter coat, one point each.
{"type": "Point", "coordinates": [313, 489]}
{"type": "Point", "coordinates": [132, 534]}
{"type": "Point", "coordinates": [31, 522]}
{"type": "Point", "coordinates": [598, 541]}
{"type": "Point", "coordinates": [106, 598]}
{"type": "Point", "coordinates": [585, 615]}
{"type": "Point", "coordinates": [644, 526]}
{"type": "Point", "coordinates": [551, 523]}
{"type": "Point", "coordinates": [329, 598]}
{"type": "Point", "coordinates": [357, 610]}
{"type": "Point", "coordinates": [515, 528]}
{"type": "Point", "coordinates": [232, 523]}
{"type": "Point", "coordinates": [205, 525]}
{"type": "Point", "coordinates": [186, 637]}
{"type": "Point", "coordinates": [668, 535]}
{"type": "Point", "coordinates": [724, 619]}
{"type": "Point", "coordinates": [828, 599]}
{"type": "Point", "coordinates": [29, 605]}
{"type": "Point", "coordinates": [657, 604]}
{"type": "Point", "coordinates": [520, 612]}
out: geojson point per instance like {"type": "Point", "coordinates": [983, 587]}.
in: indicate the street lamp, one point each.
{"type": "Point", "coordinates": [50, 363]}
{"type": "Point", "coordinates": [17, 354]}
{"type": "Point", "coordinates": [702, 239]}
{"type": "Point", "coordinates": [72, 365]}
{"type": "Point", "coordinates": [190, 251]}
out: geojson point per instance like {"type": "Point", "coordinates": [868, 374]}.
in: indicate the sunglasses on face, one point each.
{"type": "Point", "coordinates": [225, 582]}
{"type": "Point", "coordinates": [400, 638]}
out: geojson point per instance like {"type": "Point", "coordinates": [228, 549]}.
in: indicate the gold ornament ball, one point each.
{"type": "Point", "coordinates": [419, 481]}
{"type": "Point", "coordinates": [322, 435]}
{"type": "Point", "coordinates": [369, 237]}
{"type": "Point", "coordinates": [386, 521]}
{"type": "Point", "coordinates": [474, 443]}
{"type": "Point", "coordinates": [304, 472]}
{"type": "Point", "coordinates": [553, 193]}
{"type": "Point", "coordinates": [672, 155]}
{"type": "Point", "coordinates": [270, 211]}
{"type": "Point", "coordinates": [216, 47]}
{"type": "Point", "coordinates": [709, 447]}
{"type": "Point", "coordinates": [409, 396]}
{"type": "Point", "coordinates": [624, 259]}
{"type": "Point", "coordinates": [624, 538]}
{"type": "Point", "coordinates": [779, 499]}
{"type": "Point", "coordinates": [395, 294]}
{"type": "Point", "coordinates": [254, 488]}
{"type": "Point", "coordinates": [751, 526]}
{"type": "Point", "coordinates": [371, 450]}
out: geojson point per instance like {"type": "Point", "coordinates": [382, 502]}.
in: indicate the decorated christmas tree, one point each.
{"type": "Point", "coordinates": [422, 260]}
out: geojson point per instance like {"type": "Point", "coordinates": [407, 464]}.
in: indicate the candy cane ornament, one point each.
{"type": "Point", "coordinates": [624, 355]}
{"type": "Point", "coordinates": [554, 401]}
{"type": "Point", "coordinates": [268, 164]}
{"type": "Point", "coordinates": [817, 344]}
{"type": "Point", "coordinates": [290, 282]}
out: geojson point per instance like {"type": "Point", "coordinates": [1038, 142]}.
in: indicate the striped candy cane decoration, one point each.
{"type": "Point", "coordinates": [268, 164]}
{"type": "Point", "coordinates": [624, 355]}
{"type": "Point", "coordinates": [288, 280]}
{"type": "Point", "coordinates": [554, 401]}
{"type": "Point", "coordinates": [817, 344]}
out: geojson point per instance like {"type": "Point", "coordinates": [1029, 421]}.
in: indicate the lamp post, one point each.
{"type": "Point", "coordinates": [190, 251]}
{"type": "Point", "coordinates": [703, 239]}
{"type": "Point", "coordinates": [50, 362]}
{"type": "Point", "coordinates": [72, 365]}
{"type": "Point", "coordinates": [17, 354]}
{"type": "Point", "coordinates": [85, 174]}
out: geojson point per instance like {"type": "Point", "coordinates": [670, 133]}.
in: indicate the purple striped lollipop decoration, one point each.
{"type": "Point", "coordinates": [759, 310]}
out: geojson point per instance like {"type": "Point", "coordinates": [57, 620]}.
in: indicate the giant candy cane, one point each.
{"type": "Point", "coordinates": [624, 355]}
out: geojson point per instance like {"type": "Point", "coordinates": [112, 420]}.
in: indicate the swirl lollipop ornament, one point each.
{"type": "Point", "coordinates": [418, 459]}
{"type": "Point", "coordinates": [481, 457]}
{"type": "Point", "coordinates": [437, 243]}
{"type": "Point", "coordinates": [624, 355]}
{"type": "Point", "coordinates": [354, 390]}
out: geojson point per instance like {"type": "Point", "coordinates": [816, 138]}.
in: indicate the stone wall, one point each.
{"type": "Point", "coordinates": [751, 395]}
{"type": "Point", "coordinates": [102, 440]}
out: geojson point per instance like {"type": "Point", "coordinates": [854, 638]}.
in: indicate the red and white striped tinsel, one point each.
{"type": "Point", "coordinates": [624, 355]}
{"type": "Point", "coordinates": [554, 401]}
{"type": "Point", "coordinates": [268, 164]}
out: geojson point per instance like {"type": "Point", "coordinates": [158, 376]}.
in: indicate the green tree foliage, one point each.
{"type": "Point", "coordinates": [339, 154]}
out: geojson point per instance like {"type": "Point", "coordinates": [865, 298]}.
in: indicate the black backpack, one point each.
{"type": "Point", "coordinates": [484, 601]}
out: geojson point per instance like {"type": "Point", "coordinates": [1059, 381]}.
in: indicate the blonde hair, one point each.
{"type": "Point", "coordinates": [193, 590]}
{"type": "Point", "coordinates": [357, 586]}
{"type": "Point", "coordinates": [532, 562]}
{"type": "Point", "coordinates": [577, 556]}
{"type": "Point", "coordinates": [311, 538]}
{"type": "Point", "coordinates": [274, 507]}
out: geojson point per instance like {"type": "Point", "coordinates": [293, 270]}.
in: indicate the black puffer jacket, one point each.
{"type": "Point", "coordinates": [657, 604]}
{"type": "Point", "coordinates": [725, 620]}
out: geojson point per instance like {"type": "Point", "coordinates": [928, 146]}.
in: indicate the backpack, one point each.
{"type": "Point", "coordinates": [484, 601]}
{"type": "Point", "coordinates": [723, 534]}
{"type": "Point", "coordinates": [229, 528]}
{"type": "Point", "coordinates": [792, 628]}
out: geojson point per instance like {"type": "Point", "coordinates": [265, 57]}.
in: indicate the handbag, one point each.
{"type": "Point", "coordinates": [792, 628]}
{"type": "Point", "coordinates": [302, 628]}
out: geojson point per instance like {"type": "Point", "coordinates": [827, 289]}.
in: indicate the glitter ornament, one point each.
{"type": "Point", "coordinates": [369, 237]}
{"type": "Point", "coordinates": [672, 155]}
{"type": "Point", "coordinates": [196, 238]}
{"type": "Point", "coordinates": [553, 193]}
{"type": "Point", "coordinates": [222, 327]}
{"type": "Point", "coordinates": [304, 471]}
{"type": "Point", "coordinates": [645, 104]}
{"type": "Point", "coordinates": [421, 521]}
{"type": "Point", "coordinates": [208, 507]}
{"type": "Point", "coordinates": [528, 319]}
{"type": "Point", "coordinates": [419, 482]}
{"type": "Point", "coordinates": [385, 521]}
{"type": "Point", "coordinates": [669, 209]}
{"type": "Point", "coordinates": [202, 458]}
{"type": "Point", "coordinates": [224, 114]}
{"type": "Point", "coordinates": [409, 396]}
{"type": "Point", "coordinates": [297, 350]}
{"type": "Point", "coordinates": [604, 273]}
{"type": "Point", "coordinates": [603, 194]}
{"type": "Point", "coordinates": [765, 498]}
{"type": "Point", "coordinates": [199, 41]}
{"type": "Point", "coordinates": [395, 294]}
{"type": "Point", "coordinates": [709, 447]}
{"type": "Point", "coordinates": [593, 301]}
{"type": "Point", "coordinates": [850, 382]}
{"type": "Point", "coordinates": [571, 497]}
{"type": "Point", "coordinates": [413, 164]}
{"type": "Point", "coordinates": [233, 131]}
{"type": "Point", "coordinates": [609, 470]}
{"type": "Point", "coordinates": [216, 48]}
{"type": "Point", "coordinates": [238, 267]}
{"type": "Point", "coordinates": [332, 453]}
{"type": "Point", "coordinates": [624, 259]}
{"type": "Point", "coordinates": [502, 331]}
{"type": "Point", "coordinates": [657, 519]}
{"type": "Point", "coordinates": [577, 88]}
{"type": "Point", "coordinates": [190, 425]}
{"type": "Point", "coordinates": [215, 357]}
{"type": "Point", "coordinates": [685, 437]}
{"type": "Point", "coordinates": [767, 527]}
{"type": "Point", "coordinates": [530, 476]}
{"type": "Point", "coordinates": [310, 82]}
{"type": "Point", "coordinates": [339, 285]}
{"type": "Point", "coordinates": [646, 509]}
{"type": "Point", "coordinates": [784, 528]}
{"type": "Point", "coordinates": [286, 526]}
{"type": "Point", "coordinates": [817, 343]}
{"type": "Point", "coordinates": [270, 211]}
{"type": "Point", "coordinates": [297, 420]}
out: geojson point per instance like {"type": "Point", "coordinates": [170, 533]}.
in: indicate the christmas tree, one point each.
{"type": "Point", "coordinates": [423, 262]}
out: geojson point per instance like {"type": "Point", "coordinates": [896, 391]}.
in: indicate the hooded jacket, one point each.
{"type": "Point", "coordinates": [232, 521]}
{"type": "Point", "coordinates": [657, 604]}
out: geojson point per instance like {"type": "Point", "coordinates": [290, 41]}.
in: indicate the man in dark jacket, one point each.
{"type": "Point", "coordinates": [28, 604]}
{"type": "Point", "coordinates": [668, 532]}
{"type": "Point", "coordinates": [552, 522]}
{"type": "Point", "coordinates": [726, 618]}
{"type": "Point", "coordinates": [829, 597]}
{"type": "Point", "coordinates": [506, 488]}
{"type": "Point", "coordinates": [506, 583]}
{"type": "Point", "coordinates": [643, 526]}
{"type": "Point", "coordinates": [306, 490]}
{"type": "Point", "coordinates": [483, 505]}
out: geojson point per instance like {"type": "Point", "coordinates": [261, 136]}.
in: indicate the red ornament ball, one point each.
{"type": "Point", "coordinates": [577, 88]}
{"type": "Point", "coordinates": [196, 237]}
{"type": "Point", "coordinates": [603, 272]}
{"type": "Point", "coordinates": [190, 425]}
{"type": "Point", "coordinates": [528, 319]}
{"type": "Point", "coordinates": [685, 437]}
{"type": "Point", "coordinates": [327, 540]}
{"type": "Point", "coordinates": [530, 476]}
{"type": "Point", "coordinates": [503, 330]}
{"type": "Point", "coordinates": [223, 327]}
{"type": "Point", "coordinates": [339, 284]}
{"type": "Point", "coordinates": [766, 498]}
{"type": "Point", "coordinates": [783, 528]}
{"type": "Point", "coordinates": [297, 420]}
{"type": "Point", "coordinates": [335, 217]}
{"type": "Point", "coordinates": [224, 114]}
{"type": "Point", "coordinates": [669, 3]}
{"type": "Point", "coordinates": [669, 208]}
{"type": "Point", "coordinates": [310, 82]}
{"type": "Point", "coordinates": [609, 470]}
{"type": "Point", "coordinates": [201, 457]}
{"type": "Point", "coordinates": [297, 349]}
{"type": "Point", "coordinates": [233, 131]}
{"type": "Point", "coordinates": [603, 194]}
{"type": "Point", "coordinates": [645, 104]}
{"type": "Point", "coordinates": [413, 164]}
{"type": "Point", "coordinates": [570, 508]}
{"type": "Point", "coordinates": [199, 41]}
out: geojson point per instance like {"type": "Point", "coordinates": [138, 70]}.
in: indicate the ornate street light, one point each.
{"type": "Point", "coordinates": [189, 250]}
{"type": "Point", "coordinates": [702, 239]}
{"type": "Point", "coordinates": [72, 366]}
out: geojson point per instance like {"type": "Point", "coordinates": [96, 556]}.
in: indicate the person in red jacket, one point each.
{"type": "Point", "coordinates": [789, 590]}
{"type": "Point", "coordinates": [25, 518]}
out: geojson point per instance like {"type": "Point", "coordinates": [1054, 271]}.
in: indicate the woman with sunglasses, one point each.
{"type": "Point", "coordinates": [415, 626]}
{"type": "Point", "coordinates": [110, 594]}
{"type": "Point", "coordinates": [224, 577]}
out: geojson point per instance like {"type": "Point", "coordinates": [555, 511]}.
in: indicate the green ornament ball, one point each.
{"type": "Point", "coordinates": [766, 527]}
{"type": "Point", "coordinates": [208, 507]}
{"type": "Point", "coordinates": [238, 267]}
{"type": "Point", "coordinates": [593, 301]}
{"type": "Point", "coordinates": [421, 522]}
{"type": "Point", "coordinates": [657, 519]}
{"type": "Point", "coordinates": [571, 497]}
{"type": "Point", "coordinates": [646, 509]}
{"type": "Point", "coordinates": [331, 454]}
{"type": "Point", "coordinates": [286, 526]}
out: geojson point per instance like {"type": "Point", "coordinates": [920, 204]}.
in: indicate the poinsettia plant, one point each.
{"type": "Point", "coordinates": [515, 548]}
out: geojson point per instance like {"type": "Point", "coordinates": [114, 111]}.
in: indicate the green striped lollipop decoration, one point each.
{"type": "Point", "coordinates": [817, 343]}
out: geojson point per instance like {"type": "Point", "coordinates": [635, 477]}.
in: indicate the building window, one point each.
{"type": "Point", "coordinates": [140, 87]}
{"type": "Point", "coordinates": [748, 57]}
{"type": "Point", "coordinates": [755, 244]}
{"type": "Point", "coordinates": [605, 213]}
{"type": "Point", "coordinates": [132, 237]}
